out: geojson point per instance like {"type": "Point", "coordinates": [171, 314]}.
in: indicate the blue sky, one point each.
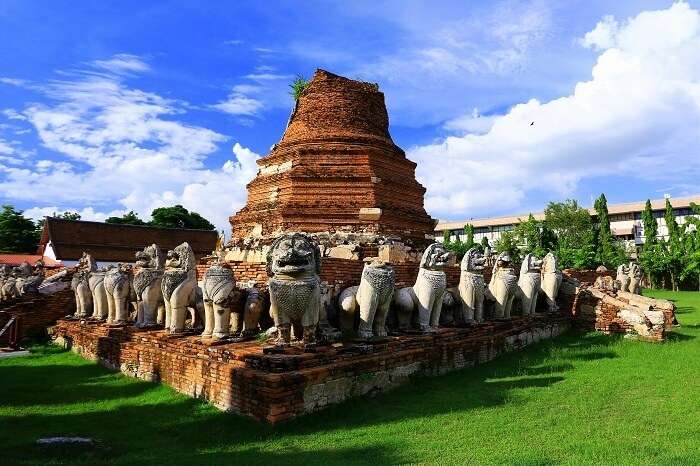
{"type": "Point", "coordinates": [111, 106]}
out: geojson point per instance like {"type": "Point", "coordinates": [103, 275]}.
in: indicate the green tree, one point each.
{"type": "Point", "coordinates": [607, 252]}
{"type": "Point", "coordinates": [572, 225]}
{"type": "Point", "coordinates": [508, 243]}
{"type": "Point", "coordinates": [650, 225]}
{"type": "Point", "coordinates": [17, 233]}
{"type": "Point", "coordinates": [673, 246]}
{"type": "Point", "coordinates": [485, 243]}
{"type": "Point", "coordinates": [67, 215]}
{"type": "Point", "coordinates": [469, 233]}
{"type": "Point", "coordinates": [670, 220]}
{"type": "Point", "coordinates": [534, 237]}
{"type": "Point", "coordinates": [446, 237]}
{"type": "Point", "coordinates": [650, 255]}
{"type": "Point", "coordinates": [691, 245]}
{"type": "Point", "coordinates": [130, 218]}
{"type": "Point", "coordinates": [179, 217]}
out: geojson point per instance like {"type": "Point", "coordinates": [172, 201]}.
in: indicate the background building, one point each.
{"type": "Point", "coordinates": [625, 221]}
{"type": "Point", "coordinates": [108, 243]}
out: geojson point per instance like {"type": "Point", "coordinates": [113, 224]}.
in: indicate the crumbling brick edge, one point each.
{"type": "Point", "coordinates": [271, 388]}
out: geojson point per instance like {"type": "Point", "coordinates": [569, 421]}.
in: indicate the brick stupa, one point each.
{"type": "Point", "coordinates": [336, 169]}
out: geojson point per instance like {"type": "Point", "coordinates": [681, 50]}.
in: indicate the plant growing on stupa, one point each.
{"type": "Point", "coordinates": [298, 85]}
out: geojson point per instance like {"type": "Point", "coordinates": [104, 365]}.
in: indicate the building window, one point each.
{"type": "Point", "coordinates": [622, 217]}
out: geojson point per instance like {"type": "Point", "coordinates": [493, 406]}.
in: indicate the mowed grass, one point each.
{"type": "Point", "coordinates": [579, 399]}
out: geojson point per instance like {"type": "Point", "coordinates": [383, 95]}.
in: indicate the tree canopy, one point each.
{"type": "Point", "coordinates": [179, 217]}
{"type": "Point", "coordinates": [17, 233]}
{"type": "Point", "coordinates": [166, 217]}
{"type": "Point", "coordinates": [130, 218]}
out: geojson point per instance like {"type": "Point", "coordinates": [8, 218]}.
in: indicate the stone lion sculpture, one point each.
{"type": "Point", "coordinates": [623, 277]}
{"type": "Point", "coordinates": [148, 275]}
{"type": "Point", "coordinates": [81, 287]}
{"type": "Point", "coordinates": [29, 278]}
{"type": "Point", "coordinates": [5, 276]}
{"type": "Point", "coordinates": [635, 277]}
{"type": "Point", "coordinates": [9, 287]}
{"type": "Point", "coordinates": [179, 286]}
{"type": "Point", "coordinates": [217, 287]}
{"type": "Point", "coordinates": [471, 287]}
{"type": "Point", "coordinates": [117, 284]}
{"type": "Point", "coordinates": [529, 284]}
{"type": "Point", "coordinates": [423, 301]}
{"type": "Point", "coordinates": [96, 287]}
{"type": "Point", "coordinates": [503, 286]}
{"type": "Point", "coordinates": [551, 280]}
{"type": "Point", "coordinates": [246, 325]}
{"type": "Point", "coordinates": [294, 265]}
{"type": "Point", "coordinates": [373, 297]}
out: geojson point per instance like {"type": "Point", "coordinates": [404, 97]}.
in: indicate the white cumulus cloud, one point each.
{"type": "Point", "coordinates": [638, 115]}
{"type": "Point", "coordinates": [124, 147]}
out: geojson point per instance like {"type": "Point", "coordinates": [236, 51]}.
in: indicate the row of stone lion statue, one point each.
{"type": "Point", "coordinates": [161, 289]}
{"type": "Point", "coordinates": [165, 291]}
{"type": "Point", "coordinates": [18, 281]}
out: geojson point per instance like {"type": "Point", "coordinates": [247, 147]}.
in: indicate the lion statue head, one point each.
{"type": "Point", "coordinates": [87, 263]}
{"type": "Point", "coordinates": [635, 270]}
{"type": "Point", "coordinates": [550, 263]}
{"type": "Point", "coordinates": [376, 263]}
{"type": "Point", "coordinates": [530, 264]}
{"type": "Point", "coordinates": [181, 257]}
{"type": "Point", "coordinates": [435, 257]}
{"type": "Point", "coordinates": [294, 254]}
{"type": "Point", "coordinates": [473, 261]}
{"type": "Point", "coordinates": [150, 258]}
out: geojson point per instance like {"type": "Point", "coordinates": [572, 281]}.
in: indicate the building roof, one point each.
{"type": "Point", "coordinates": [613, 209]}
{"type": "Point", "coordinates": [111, 242]}
{"type": "Point", "coordinates": [17, 259]}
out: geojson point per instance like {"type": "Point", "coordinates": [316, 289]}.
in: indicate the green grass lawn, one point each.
{"type": "Point", "coordinates": [578, 399]}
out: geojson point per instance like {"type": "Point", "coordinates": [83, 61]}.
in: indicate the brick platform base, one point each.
{"type": "Point", "coordinates": [238, 377]}
{"type": "Point", "coordinates": [36, 312]}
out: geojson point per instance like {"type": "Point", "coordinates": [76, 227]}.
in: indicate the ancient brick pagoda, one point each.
{"type": "Point", "coordinates": [336, 169]}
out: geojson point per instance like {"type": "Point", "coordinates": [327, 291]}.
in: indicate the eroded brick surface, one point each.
{"type": "Point", "coordinates": [336, 169]}
{"type": "Point", "coordinates": [238, 377]}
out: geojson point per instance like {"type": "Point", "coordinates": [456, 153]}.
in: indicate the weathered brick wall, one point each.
{"type": "Point", "coordinates": [239, 377]}
{"type": "Point", "coordinates": [49, 272]}
{"type": "Point", "coordinates": [344, 272]}
{"type": "Point", "coordinates": [37, 312]}
{"type": "Point", "coordinates": [597, 310]}
{"type": "Point", "coordinates": [667, 307]}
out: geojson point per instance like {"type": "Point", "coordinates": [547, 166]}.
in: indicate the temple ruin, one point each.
{"type": "Point", "coordinates": [336, 170]}
{"type": "Point", "coordinates": [331, 288]}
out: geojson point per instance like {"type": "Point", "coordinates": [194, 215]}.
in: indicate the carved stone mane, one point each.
{"type": "Point", "coordinates": [381, 278]}
{"type": "Point", "coordinates": [114, 277]}
{"type": "Point", "coordinates": [151, 271]}
{"type": "Point", "coordinates": [215, 278]}
{"type": "Point", "coordinates": [175, 275]}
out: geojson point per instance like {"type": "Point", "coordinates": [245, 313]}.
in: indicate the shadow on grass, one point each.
{"type": "Point", "coordinates": [684, 309]}
{"type": "Point", "coordinates": [141, 427]}
{"type": "Point", "coordinates": [677, 336]}
{"type": "Point", "coordinates": [64, 384]}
